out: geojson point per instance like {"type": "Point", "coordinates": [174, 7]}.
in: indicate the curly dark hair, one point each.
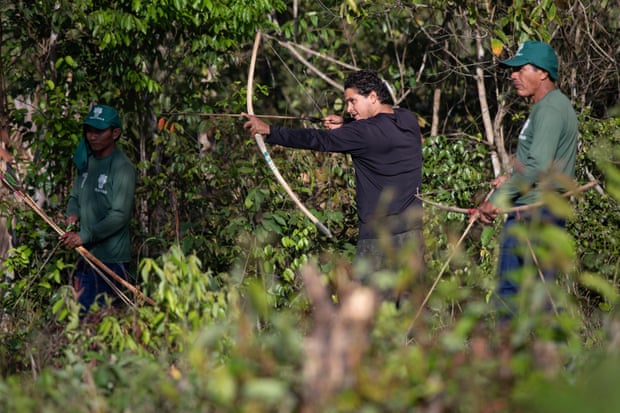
{"type": "Point", "coordinates": [366, 81]}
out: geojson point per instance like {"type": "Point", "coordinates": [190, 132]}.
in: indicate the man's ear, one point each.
{"type": "Point", "coordinates": [116, 132]}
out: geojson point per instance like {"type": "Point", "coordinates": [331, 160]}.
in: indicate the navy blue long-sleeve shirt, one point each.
{"type": "Point", "coordinates": [387, 155]}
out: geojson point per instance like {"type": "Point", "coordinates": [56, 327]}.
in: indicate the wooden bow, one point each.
{"type": "Point", "coordinates": [263, 149]}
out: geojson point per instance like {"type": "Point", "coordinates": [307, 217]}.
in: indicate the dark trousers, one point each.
{"type": "Point", "coordinates": [375, 255]}
{"type": "Point", "coordinates": [514, 253]}
{"type": "Point", "coordinates": [92, 288]}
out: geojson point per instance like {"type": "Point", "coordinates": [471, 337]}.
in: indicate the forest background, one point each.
{"type": "Point", "coordinates": [253, 311]}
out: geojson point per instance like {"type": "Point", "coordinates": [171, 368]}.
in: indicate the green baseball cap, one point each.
{"type": "Point", "coordinates": [538, 54]}
{"type": "Point", "coordinates": [103, 117]}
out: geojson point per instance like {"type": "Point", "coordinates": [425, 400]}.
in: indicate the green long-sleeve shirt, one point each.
{"type": "Point", "coordinates": [547, 145]}
{"type": "Point", "coordinates": [102, 197]}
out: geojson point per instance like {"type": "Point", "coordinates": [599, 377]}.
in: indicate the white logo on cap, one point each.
{"type": "Point", "coordinates": [520, 49]}
{"type": "Point", "coordinates": [97, 111]}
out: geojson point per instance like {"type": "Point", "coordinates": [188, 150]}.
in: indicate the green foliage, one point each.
{"type": "Point", "coordinates": [529, 20]}
{"type": "Point", "coordinates": [185, 292]}
{"type": "Point", "coordinates": [456, 174]}
{"type": "Point", "coordinates": [590, 391]}
{"type": "Point", "coordinates": [597, 216]}
{"type": "Point", "coordinates": [191, 333]}
{"type": "Point", "coordinates": [455, 169]}
{"type": "Point", "coordinates": [230, 322]}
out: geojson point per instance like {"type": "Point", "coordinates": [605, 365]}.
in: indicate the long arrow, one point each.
{"type": "Point", "coordinates": [521, 208]}
{"type": "Point", "coordinates": [10, 182]}
{"type": "Point", "coordinates": [474, 215]}
{"type": "Point", "coordinates": [236, 115]}
{"type": "Point", "coordinates": [472, 219]}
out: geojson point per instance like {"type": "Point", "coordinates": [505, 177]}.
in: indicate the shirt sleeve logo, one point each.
{"type": "Point", "coordinates": [522, 135]}
{"type": "Point", "coordinates": [84, 177]}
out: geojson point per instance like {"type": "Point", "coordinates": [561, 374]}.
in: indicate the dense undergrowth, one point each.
{"type": "Point", "coordinates": [231, 318]}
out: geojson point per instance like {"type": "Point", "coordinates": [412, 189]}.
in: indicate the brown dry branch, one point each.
{"type": "Point", "coordinates": [522, 208]}
{"type": "Point", "coordinates": [448, 208]}
{"type": "Point", "coordinates": [338, 340]}
{"type": "Point", "coordinates": [102, 270]}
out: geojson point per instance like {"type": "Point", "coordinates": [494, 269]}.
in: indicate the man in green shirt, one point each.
{"type": "Point", "coordinates": [101, 203]}
{"type": "Point", "coordinates": [545, 157]}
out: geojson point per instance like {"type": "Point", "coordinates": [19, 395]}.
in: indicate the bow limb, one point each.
{"type": "Point", "coordinates": [263, 149]}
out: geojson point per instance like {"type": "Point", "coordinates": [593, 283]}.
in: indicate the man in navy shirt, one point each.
{"type": "Point", "coordinates": [385, 145]}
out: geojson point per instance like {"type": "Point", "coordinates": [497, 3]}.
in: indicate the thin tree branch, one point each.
{"type": "Point", "coordinates": [312, 52]}
{"type": "Point", "coordinates": [310, 66]}
{"type": "Point", "coordinates": [522, 208]}
{"type": "Point", "coordinates": [535, 205]}
{"type": "Point", "coordinates": [445, 207]}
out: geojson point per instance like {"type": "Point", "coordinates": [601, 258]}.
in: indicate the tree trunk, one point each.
{"type": "Point", "coordinates": [435, 121]}
{"type": "Point", "coordinates": [339, 338]}
{"type": "Point", "coordinates": [489, 131]}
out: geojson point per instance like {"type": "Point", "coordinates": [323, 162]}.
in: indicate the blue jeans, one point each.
{"type": "Point", "coordinates": [513, 254]}
{"type": "Point", "coordinates": [92, 288]}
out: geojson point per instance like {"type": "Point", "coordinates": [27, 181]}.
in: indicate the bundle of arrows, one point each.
{"type": "Point", "coordinates": [11, 182]}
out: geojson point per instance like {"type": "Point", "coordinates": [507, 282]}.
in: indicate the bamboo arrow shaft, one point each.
{"type": "Point", "coordinates": [521, 208]}
{"type": "Point", "coordinates": [89, 256]}
{"type": "Point", "coordinates": [575, 191]}
{"type": "Point", "coordinates": [474, 217]}
{"type": "Point", "coordinates": [236, 115]}
{"type": "Point", "coordinates": [81, 250]}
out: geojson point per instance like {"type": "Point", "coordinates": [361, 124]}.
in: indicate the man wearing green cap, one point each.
{"type": "Point", "coordinates": [101, 203]}
{"type": "Point", "coordinates": [545, 159]}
